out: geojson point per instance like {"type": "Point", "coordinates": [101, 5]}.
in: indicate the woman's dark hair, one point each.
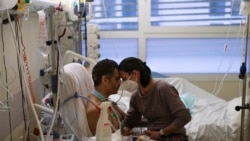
{"type": "Point", "coordinates": [131, 63]}
{"type": "Point", "coordinates": [104, 67]}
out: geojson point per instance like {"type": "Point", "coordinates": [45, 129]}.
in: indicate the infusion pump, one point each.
{"type": "Point", "coordinates": [77, 8]}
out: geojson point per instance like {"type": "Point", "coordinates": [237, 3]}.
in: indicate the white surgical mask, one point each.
{"type": "Point", "coordinates": [128, 85]}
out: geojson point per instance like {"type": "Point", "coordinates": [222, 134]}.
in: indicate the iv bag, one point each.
{"type": "Point", "coordinates": [43, 34]}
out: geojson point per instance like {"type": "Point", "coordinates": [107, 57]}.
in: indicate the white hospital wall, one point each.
{"type": "Point", "coordinates": [229, 90]}
{"type": "Point", "coordinates": [225, 86]}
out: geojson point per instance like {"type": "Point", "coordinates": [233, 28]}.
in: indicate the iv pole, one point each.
{"type": "Point", "coordinates": [243, 76]}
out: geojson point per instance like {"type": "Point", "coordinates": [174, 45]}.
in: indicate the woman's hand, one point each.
{"type": "Point", "coordinates": [153, 134]}
{"type": "Point", "coordinates": [126, 131]}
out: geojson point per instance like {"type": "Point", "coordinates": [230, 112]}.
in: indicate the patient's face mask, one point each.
{"type": "Point", "coordinates": [128, 85]}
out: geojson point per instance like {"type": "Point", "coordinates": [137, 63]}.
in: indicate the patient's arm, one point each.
{"type": "Point", "coordinates": [92, 116]}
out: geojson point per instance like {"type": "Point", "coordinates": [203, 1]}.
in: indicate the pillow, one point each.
{"type": "Point", "coordinates": [188, 100]}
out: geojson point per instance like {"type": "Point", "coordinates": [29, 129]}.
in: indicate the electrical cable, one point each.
{"type": "Point", "coordinates": [76, 95]}
{"type": "Point", "coordinates": [221, 62]}
{"type": "Point", "coordinates": [64, 30]}
{"type": "Point", "coordinates": [119, 97]}
{"type": "Point", "coordinates": [28, 90]}
{"type": "Point", "coordinates": [26, 123]}
{"type": "Point", "coordinates": [230, 65]}
{"type": "Point", "coordinates": [58, 25]}
{"type": "Point", "coordinates": [60, 36]}
{"type": "Point", "coordinates": [105, 13]}
{"type": "Point", "coordinates": [117, 115]}
{"type": "Point", "coordinates": [7, 95]}
{"type": "Point", "coordinates": [26, 65]}
{"type": "Point", "coordinates": [57, 75]}
{"type": "Point", "coordinates": [112, 109]}
{"type": "Point", "coordinates": [3, 52]}
{"type": "Point", "coordinates": [109, 30]}
{"type": "Point", "coordinates": [4, 85]}
{"type": "Point", "coordinates": [230, 22]}
{"type": "Point", "coordinates": [58, 63]}
{"type": "Point", "coordinates": [216, 89]}
{"type": "Point", "coordinates": [84, 14]}
{"type": "Point", "coordinates": [57, 102]}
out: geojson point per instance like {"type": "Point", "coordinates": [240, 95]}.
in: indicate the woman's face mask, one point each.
{"type": "Point", "coordinates": [128, 85]}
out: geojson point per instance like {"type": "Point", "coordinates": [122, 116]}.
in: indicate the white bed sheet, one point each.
{"type": "Point", "coordinates": [213, 119]}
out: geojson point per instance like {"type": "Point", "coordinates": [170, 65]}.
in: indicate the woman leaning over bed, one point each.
{"type": "Point", "coordinates": [157, 101]}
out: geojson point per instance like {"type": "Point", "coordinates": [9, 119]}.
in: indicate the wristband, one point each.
{"type": "Point", "coordinates": [162, 133]}
{"type": "Point", "coordinates": [114, 103]}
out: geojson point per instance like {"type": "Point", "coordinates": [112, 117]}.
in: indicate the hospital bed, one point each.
{"type": "Point", "coordinates": [213, 119]}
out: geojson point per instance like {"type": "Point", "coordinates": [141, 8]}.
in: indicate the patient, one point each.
{"type": "Point", "coordinates": [157, 101]}
{"type": "Point", "coordinates": [106, 82]}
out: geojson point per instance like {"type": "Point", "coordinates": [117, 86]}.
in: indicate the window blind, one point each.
{"type": "Point", "coordinates": [119, 48]}
{"type": "Point", "coordinates": [195, 12]}
{"type": "Point", "coordinates": [116, 14]}
{"type": "Point", "coordinates": [193, 55]}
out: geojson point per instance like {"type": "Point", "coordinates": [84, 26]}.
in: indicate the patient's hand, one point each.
{"type": "Point", "coordinates": [153, 134]}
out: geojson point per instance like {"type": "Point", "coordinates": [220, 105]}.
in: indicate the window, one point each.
{"type": "Point", "coordinates": [118, 49]}
{"type": "Point", "coordinates": [195, 12]}
{"type": "Point", "coordinates": [186, 36]}
{"type": "Point", "coordinates": [194, 55]}
{"type": "Point", "coordinates": [115, 14]}
{"type": "Point", "coordinates": [189, 36]}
